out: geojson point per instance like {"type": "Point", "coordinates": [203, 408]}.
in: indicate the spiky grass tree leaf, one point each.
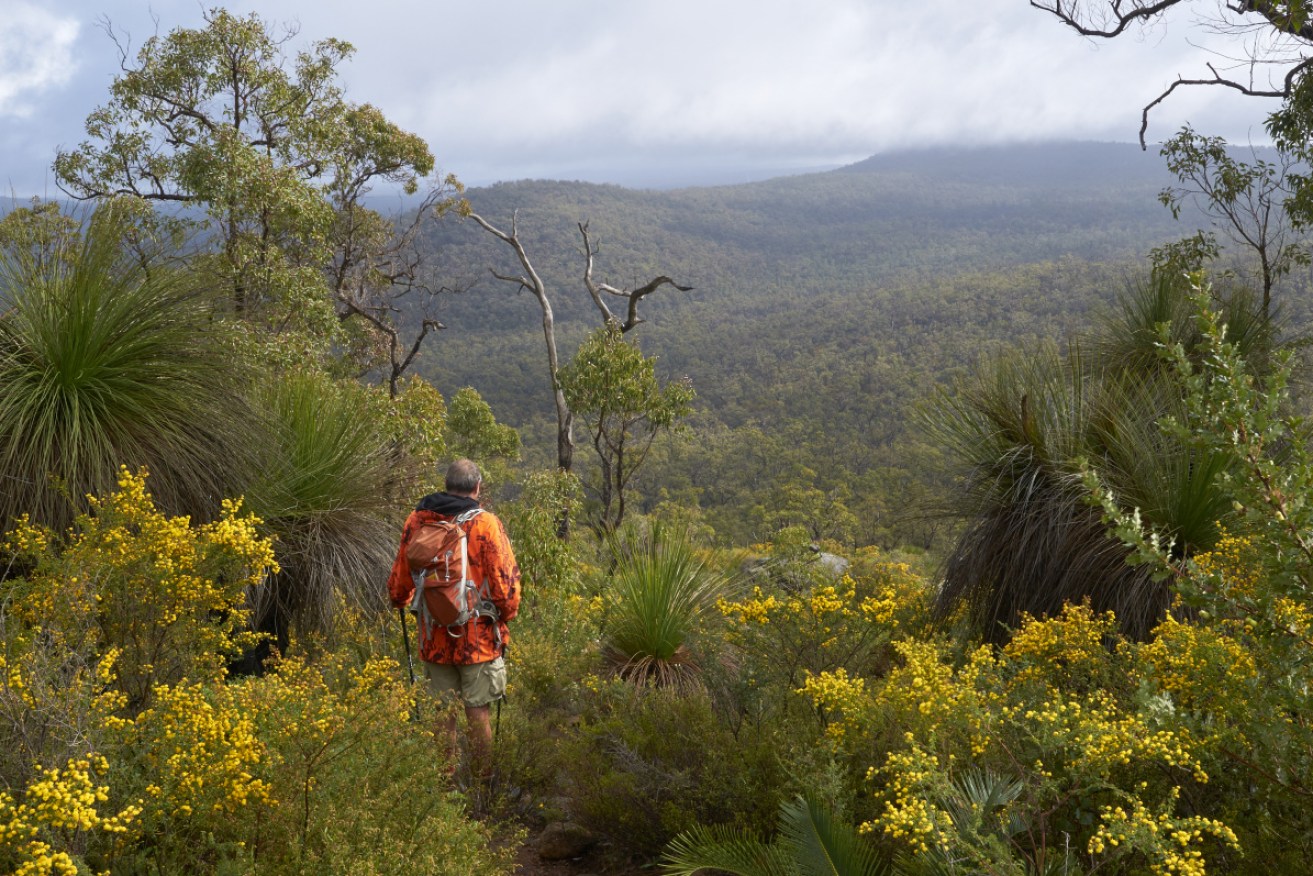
{"type": "Point", "coordinates": [723, 849]}
{"type": "Point", "coordinates": [331, 484]}
{"type": "Point", "coordinates": [108, 361]}
{"type": "Point", "coordinates": [1033, 543]}
{"type": "Point", "coordinates": [661, 586]}
{"type": "Point", "coordinates": [1024, 425]}
{"type": "Point", "coordinates": [1127, 336]}
{"type": "Point", "coordinates": [823, 846]}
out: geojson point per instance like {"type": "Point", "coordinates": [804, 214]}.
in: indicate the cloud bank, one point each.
{"type": "Point", "coordinates": [637, 91]}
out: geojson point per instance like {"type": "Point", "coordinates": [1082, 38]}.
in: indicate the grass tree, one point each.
{"type": "Point", "coordinates": [109, 360]}
{"type": "Point", "coordinates": [331, 482]}
{"type": "Point", "coordinates": [660, 586]}
{"type": "Point", "coordinates": [1022, 428]}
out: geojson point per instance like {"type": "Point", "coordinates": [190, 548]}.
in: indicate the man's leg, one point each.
{"type": "Point", "coordinates": [479, 722]}
{"type": "Point", "coordinates": [445, 684]}
{"type": "Point", "coordinates": [483, 685]}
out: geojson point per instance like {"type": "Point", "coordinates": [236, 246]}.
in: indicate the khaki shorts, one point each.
{"type": "Point", "coordinates": [478, 684]}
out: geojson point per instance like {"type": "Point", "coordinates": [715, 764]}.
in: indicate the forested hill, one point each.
{"type": "Point", "coordinates": [825, 305]}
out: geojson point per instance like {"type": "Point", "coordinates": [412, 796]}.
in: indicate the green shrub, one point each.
{"type": "Point", "coordinates": [646, 763]}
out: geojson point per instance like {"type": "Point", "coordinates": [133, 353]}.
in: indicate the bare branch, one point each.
{"type": "Point", "coordinates": [1107, 19]}
{"type": "Point", "coordinates": [1217, 80]}
{"type": "Point", "coordinates": [533, 282]}
{"type": "Point", "coordinates": [1106, 25]}
{"type": "Point", "coordinates": [634, 296]}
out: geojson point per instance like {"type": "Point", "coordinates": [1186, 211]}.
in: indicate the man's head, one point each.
{"type": "Point", "coordinates": [463, 478]}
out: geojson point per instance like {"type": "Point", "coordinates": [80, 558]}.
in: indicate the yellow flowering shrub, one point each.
{"type": "Point", "coordinates": [126, 750]}
{"type": "Point", "coordinates": [1203, 669]}
{"type": "Point", "coordinates": [350, 782]}
{"type": "Point", "coordinates": [168, 595]}
{"type": "Point", "coordinates": [198, 749]}
{"type": "Point", "coordinates": [1170, 842]}
{"type": "Point", "coordinates": [912, 816]}
{"type": "Point", "coordinates": [1072, 652]}
{"type": "Point", "coordinates": [45, 832]}
{"type": "Point", "coordinates": [1061, 716]}
{"type": "Point", "coordinates": [837, 693]}
{"type": "Point", "coordinates": [1235, 562]}
{"type": "Point", "coordinates": [845, 622]}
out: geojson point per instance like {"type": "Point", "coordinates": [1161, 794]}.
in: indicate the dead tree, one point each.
{"type": "Point", "coordinates": [532, 281]}
{"type": "Point", "coordinates": [378, 263]}
{"type": "Point", "coordinates": [1278, 34]}
{"type": "Point", "coordinates": [633, 296]}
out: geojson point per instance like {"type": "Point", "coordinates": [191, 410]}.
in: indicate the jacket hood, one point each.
{"type": "Point", "coordinates": [446, 504]}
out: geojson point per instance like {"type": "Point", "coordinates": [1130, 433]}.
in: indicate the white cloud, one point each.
{"type": "Point", "coordinates": [578, 88]}
{"type": "Point", "coordinates": [35, 56]}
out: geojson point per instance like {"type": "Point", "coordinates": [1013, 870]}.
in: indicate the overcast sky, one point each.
{"type": "Point", "coordinates": [641, 92]}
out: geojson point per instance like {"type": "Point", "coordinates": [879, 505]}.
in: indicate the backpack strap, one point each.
{"type": "Point", "coordinates": [469, 515]}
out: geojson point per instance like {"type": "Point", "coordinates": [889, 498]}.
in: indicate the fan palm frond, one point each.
{"type": "Point", "coordinates": [811, 842]}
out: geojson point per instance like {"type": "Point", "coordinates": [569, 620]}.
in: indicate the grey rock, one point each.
{"type": "Point", "coordinates": [835, 564]}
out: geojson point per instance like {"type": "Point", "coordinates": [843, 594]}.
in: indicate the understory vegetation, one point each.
{"type": "Point", "coordinates": [741, 647]}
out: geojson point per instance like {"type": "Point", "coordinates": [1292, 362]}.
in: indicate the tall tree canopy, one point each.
{"type": "Point", "coordinates": [222, 123]}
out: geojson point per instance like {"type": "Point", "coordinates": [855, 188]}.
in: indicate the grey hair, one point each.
{"type": "Point", "coordinates": [463, 477]}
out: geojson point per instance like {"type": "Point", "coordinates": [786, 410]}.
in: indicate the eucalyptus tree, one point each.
{"type": "Point", "coordinates": [1245, 200]}
{"type": "Point", "coordinates": [262, 155]}
{"type": "Point", "coordinates": [613, 388]}
{"type": "Point", "coordinates": [38, 234]}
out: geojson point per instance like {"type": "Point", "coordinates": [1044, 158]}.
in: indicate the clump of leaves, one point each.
{"type": "Point", "coordinates": [107, 359]}
{"type": "Point", "coordinates": [659, 589]}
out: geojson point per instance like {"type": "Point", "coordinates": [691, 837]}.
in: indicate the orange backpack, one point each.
{"type": "Point", "coordinates": [438, 556]}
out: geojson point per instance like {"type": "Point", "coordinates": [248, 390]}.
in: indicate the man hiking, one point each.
{"type": "Point", "coordinates": [462, 659]}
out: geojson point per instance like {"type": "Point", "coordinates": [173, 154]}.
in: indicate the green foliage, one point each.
{"type": "Point", "coordinates": [1247, 200]}
{"type": "Point", "coordinates": [812, 843]}
{"type": "Point", "coordinates": [108, 361]}
{"type": "Point", "coordinates": [221, 118]}
{"type": "Point", "coordinates": [331, 481]}
{"type": "Point", "coordinates": [35, 235]}
{"type": "Point", "coordinates": [1254, 586]}
{"type": "Point", "coordinates": [473, 432]}
{"type": "Point", "coordinates": [657, 592]}
{"type": "Point", "coordinates": [613, 391]}
{"type": "Point", "coordinates": [417, 420]}
{"type": "Point", "coordinates": [550, 564]}
{"type": "Point", "coordinates": [649, 763]}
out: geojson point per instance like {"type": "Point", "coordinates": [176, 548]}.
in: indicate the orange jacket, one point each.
{"type": "Point", "coordinates": [492, 564]}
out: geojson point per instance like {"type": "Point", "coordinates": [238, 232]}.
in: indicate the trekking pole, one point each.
{"type": "Point", "coordinates": [405, 640]}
